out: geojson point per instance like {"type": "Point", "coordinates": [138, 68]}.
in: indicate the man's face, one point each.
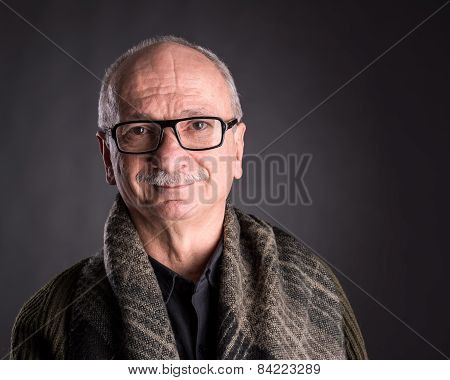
{"type": "Point", "coordinates": [172, 81]}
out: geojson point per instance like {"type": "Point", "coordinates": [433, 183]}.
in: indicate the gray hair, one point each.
{"type": "Point", "coordinates": [108, 109]}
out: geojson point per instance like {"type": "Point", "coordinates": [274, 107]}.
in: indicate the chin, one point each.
{"type": "Point", "coordinates": [174, 209]}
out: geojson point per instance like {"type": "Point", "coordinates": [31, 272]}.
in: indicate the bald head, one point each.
{"type": "Point", "coordinates": [164, 78]}
{"type": "Point", "coordinates": [168, 79]}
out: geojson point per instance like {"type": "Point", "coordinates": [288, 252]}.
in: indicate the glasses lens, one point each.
{"type": "Point", "coordinates": [138, 137]}
{"type": "Point", "coordinates": [200, 133]}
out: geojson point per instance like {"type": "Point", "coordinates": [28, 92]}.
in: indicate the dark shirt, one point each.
{"type": "Point", "coordinates": [192, 307]}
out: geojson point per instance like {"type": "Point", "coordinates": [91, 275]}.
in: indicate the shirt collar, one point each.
{"type": "Point", "coordinates": [212, 268]}
{"type": "Point", "coordinates": [166, 276]}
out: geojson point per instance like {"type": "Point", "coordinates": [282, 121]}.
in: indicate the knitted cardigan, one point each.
{"type": "Point", "coordinates": [277, 300]}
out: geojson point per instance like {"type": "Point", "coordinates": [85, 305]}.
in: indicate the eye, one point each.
{"type": "Point", "coordinates": [199, 125]}
{"type": "Point", "coordinates": [138, 130]}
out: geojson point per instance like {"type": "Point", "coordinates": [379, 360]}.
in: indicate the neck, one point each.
{"type": "Point", "coordinates": [184, 246]}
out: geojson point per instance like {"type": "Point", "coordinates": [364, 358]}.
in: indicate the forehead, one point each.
{"type": "Point", "coordinates": [168, 79]}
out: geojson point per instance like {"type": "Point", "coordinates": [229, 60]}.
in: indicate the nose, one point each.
{"type": "Point", "coordinates": [170, 156]}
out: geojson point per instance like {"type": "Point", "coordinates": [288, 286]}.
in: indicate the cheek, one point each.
{"type": "Point", "coordinates": [127, 167]}
{"type": "Point", "coordinates": [226, 164]}
{"type": "Point", "coordinates": [220, 168]}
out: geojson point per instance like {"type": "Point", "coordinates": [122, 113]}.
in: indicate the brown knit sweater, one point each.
{"type": "Point", "coordinates": [278, 300]}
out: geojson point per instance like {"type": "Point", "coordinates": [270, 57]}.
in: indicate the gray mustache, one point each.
{"type": "Point", "coordinates": [163, 178]}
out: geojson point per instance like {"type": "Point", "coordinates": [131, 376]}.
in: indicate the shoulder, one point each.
{"type": "Point", "coordinates": [293, 250]}
{"type": "Point", "coordinates": [41, 319]}
{"type": "Point", "coordinates": [289, 249]}
{"type": "Point", "coordinates": [322, 280]}
{"type": "Point", "coordinates": [311, 273]}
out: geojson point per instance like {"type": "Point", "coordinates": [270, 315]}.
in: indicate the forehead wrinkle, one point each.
{"type": "Point", "coordinates": [168, 64]}
{"type": "Point", "coordinates": [151, 97]}
{"type": "Point", "coordinates": [149, 100]}
{"type": "Point", "coordinates": [159, 63]}
{"type": "Point", "coordinates": [143, 98]}
{"type": "Point", "coordinates": [146, 84]}
{"type": "Point", "coordinates": [154, 87]}
{"type": "Point", "coordinates": [174, 108]}
{"type": "Point", "coordinates": [185, 112]}
{"type": "Point", "coordinates": [174, 70]}
{"type": "Point", "coordinates": [142, 85]}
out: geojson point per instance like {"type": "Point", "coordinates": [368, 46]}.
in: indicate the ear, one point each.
{"type": "Point", "coordinates": [106, 154]}
{"type": "Point", "coordinates": [239, 143]}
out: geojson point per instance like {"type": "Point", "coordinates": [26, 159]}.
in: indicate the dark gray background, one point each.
{"type": "Point", "coordinates": [379, 174]}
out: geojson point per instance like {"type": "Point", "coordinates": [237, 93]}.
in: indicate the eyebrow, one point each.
{"type": "Point", "coordinates": [184, 113]}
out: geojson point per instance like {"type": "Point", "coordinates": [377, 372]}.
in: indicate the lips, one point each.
{"type": "Point", "coordinates": [174, 187]}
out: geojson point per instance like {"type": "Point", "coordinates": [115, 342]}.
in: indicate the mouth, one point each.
{"type": "Point", "coordinates": [174, 186]}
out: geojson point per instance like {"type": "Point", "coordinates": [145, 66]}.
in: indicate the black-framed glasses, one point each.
{"type": "Point", "coordinates": [192, 133]}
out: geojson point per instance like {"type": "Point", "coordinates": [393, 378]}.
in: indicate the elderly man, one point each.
{"type": "Point", "coordinates": [183, 274]}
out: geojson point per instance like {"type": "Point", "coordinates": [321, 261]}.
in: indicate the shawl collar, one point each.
{"type": "Point", "coordinates": [275, 301]}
